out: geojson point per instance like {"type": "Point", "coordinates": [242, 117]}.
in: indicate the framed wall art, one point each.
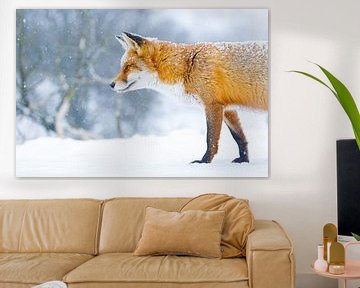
{"type": "Point", "coordinates": [142, 93]}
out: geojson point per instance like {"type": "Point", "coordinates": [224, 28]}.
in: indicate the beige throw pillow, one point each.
{"type": "Point", "coordinates": [239, 220]}
{"type": "Point", "coordinates": [196, 233]}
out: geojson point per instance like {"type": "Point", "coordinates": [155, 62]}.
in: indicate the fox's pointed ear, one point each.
{"type": "Point", "coordinates": [122, 41]}
{"type": "Point", "coordinates": [133, 40]}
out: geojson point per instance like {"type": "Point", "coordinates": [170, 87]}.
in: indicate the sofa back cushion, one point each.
{"type": "Point", "coordinates": [238, 224]}
{"type": "Point", "coordinates": [66, 226]}
{"type": "Point", "coordinates": [123, 220]}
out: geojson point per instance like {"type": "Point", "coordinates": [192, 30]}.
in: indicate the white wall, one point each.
{"type": "Point", "coordinates": [305, 120]}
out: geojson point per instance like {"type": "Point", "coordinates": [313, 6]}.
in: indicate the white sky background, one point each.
{"type": "Point", "coordinates": [218, 24]}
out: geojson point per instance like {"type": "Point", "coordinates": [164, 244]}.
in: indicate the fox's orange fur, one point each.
{"type": "Point", "coordinates": [217, 74]}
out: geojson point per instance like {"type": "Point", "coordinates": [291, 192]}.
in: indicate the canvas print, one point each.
{"type": "Point", "coordinates": [142, 93]}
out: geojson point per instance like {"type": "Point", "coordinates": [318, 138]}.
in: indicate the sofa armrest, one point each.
{"type": "Point", "coordinates": [269, 256]}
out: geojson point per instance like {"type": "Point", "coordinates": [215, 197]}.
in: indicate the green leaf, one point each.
{"type": "Point", "coordinates": [357, 137]}
{"type": "Point", "coordinates": [314, 78]}
{"type": "Point", "coordinates": [344, 97]}
{"type": "Point", "coordinates": [357, 237]}
{"type": "Point", "coordinates": [347, 102]}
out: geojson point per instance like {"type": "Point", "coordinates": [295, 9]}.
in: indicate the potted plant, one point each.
{"type": "Point", "coordinates": [344, 97]}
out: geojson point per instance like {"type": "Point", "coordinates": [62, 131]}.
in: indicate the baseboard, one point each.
{"type": "Point", "coordinates": [309, 280]}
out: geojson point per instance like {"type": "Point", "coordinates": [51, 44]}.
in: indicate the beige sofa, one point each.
{"type": "Point", "coordinates": [89, 243]}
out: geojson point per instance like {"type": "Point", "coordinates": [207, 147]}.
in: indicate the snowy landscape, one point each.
{"type": "Point", "coordinates": [145, 156]}
{"type": "Point", "coordinates": [69, 123]}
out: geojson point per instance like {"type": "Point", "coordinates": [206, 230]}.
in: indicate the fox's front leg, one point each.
{"type": "Point", "coordinates": [214, 118]}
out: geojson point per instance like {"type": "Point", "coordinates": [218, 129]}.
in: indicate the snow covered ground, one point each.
{"type": "Point", "coordinates": [146, 156]}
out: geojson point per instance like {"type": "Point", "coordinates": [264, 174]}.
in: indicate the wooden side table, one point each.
{"type": "Point", "coordinates": [352, 269]}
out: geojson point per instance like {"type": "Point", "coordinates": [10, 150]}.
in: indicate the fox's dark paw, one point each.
{"type": "Point", "coordinates": [205, 159]}
{"type": "Point", "coordinates": [199, 161]}
{"type": "Point", "coordinates": [241, 160]}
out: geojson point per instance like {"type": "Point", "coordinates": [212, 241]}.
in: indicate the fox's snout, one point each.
{"type": "Point", "coordinates": [112, 84]}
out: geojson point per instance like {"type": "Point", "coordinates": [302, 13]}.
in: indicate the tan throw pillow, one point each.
{"type": "Point", "coordinates": [239, 220]}
{"type": "Point", "coordinates": [196, 233]}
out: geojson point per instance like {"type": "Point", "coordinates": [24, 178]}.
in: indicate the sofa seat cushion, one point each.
{"type": "Point", "coordinates": [36, 268]}
{"type": "Point", "coordinates": [127, 268]}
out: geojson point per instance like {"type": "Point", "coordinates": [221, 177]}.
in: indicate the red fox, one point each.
{"type": "Point", "coordinates": [219, 75]}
